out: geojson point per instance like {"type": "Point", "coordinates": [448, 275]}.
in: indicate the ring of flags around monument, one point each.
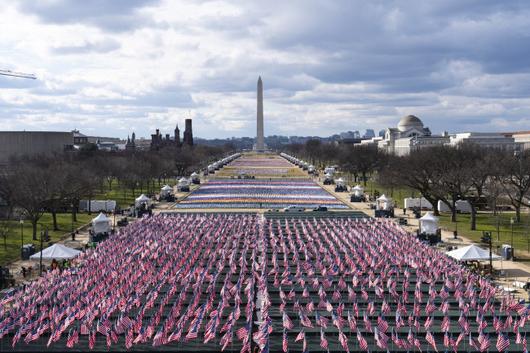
{"type": "Point", "coordinates": [233, 282]}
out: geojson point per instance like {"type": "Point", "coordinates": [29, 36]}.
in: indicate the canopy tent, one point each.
{"type": "Point", "coordinates": [472, 253]}
{"type": "Point", "coordinates": [358, 191]}
{"type": "Point", "coordinates": [429, 223]}
{"type": "Point", "coordinates": [101, 224]}
{"type": "Point", "coordinates": [165, 190]}
{"type": "Point", "coordinates": [340, 182]}
{"type": "Point", "coordinates": [194, 176]}
{"type": "Point", "coordinates": [57, 252]}
{"type": "Point", "coordinates": [384, 203]}
{"type": "Point", "coordinates": [141, 199]}
{"type": "Point", "coordinates": [183, 182]}
{"type": "Point", "coordinates": [329, 170]}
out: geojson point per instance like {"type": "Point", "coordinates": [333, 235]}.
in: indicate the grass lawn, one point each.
{"type": "Point", "coordinates": [64, 221]}
{"type": "Point", "coordinates": [488, 222]}
{"type": "Point", "coordinates": [124, 197]}
{"type": "Point", "coordinates": [397, 194]}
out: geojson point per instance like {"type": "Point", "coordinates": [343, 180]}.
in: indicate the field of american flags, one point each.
{"type": "Point", "coordinates": [208, 282]}
{"type": "Point", "coordinates": [259, 193]}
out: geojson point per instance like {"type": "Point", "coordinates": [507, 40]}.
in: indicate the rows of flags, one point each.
{"type": "Point", "coordinates": [245, 281]}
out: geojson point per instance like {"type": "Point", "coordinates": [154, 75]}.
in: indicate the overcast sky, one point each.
{"type": "Point", "coordinates": [112, 67]}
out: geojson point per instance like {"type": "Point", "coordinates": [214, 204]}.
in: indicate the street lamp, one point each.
{"type": "Point", "coordinates": [21, 232]}
{"type": "Point", "coordinates": [42, 235]}
{"type": "Point", "coordinates": [72, 234]}
{"type": "Point", "coordinates": [513, 250]}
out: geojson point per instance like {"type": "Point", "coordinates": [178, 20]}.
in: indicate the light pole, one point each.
{"type": "Point", "coordinates": [513, 250]}
{"type": "Point", "coordinates": [72, 234]}
{"type": "Point", "coordinates": [21, 232]}
{"type": "Point", "coordinates": [42, 235]}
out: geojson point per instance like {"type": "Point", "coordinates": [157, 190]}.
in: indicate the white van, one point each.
{"type": "Point", "coordinates": [294, 209]}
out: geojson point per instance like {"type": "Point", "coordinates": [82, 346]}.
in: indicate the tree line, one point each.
{"type": "Point", "coordinates": [441, 173]}
{"type": "Point", "coordinates": [55, 184]}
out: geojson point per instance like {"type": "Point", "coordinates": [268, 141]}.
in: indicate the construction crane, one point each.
{"type": "Point", "coordinates": [17, 74]}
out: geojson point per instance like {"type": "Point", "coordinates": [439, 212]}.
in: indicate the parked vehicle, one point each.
{"type": "Point", "coordinates": [294, 209]}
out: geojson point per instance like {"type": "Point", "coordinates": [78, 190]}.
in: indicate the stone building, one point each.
{"type": "Point", "coordinates": [188, 134]}
{"type": "Point", "coordinates": [158, 141]}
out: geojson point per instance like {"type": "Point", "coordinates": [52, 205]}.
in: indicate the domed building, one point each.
{"type": "Point", "coordinates": [409, 135]}
{"type": "Point", "coordinates": [410, 122]}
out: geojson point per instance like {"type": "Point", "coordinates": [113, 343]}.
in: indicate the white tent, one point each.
{"type": "Point", "coordinates": [165, 190]}
{"type": "Point", "coordinates": [340, 182]}
{"type": "Point", "coordinates": [101, 224]}
{"type": "Point", "coordinates": [329, 170]}
{"type": "Point", "coordinates": [358, 191]}
{"type": "Point", "coordinates": [56, 251]}
{"type": "Point", "coordinates": [194, 176]}
{"type": "Point", "coordinates": [183, 182]}
{"type": "Point", "coordinates": [472, 253]}
{"type": "Point", "coordinates": [141, 199]}
{"type": "Point", "coordinates": [429, 223]}
{"type": "Point", "coordinates": [384, 203]}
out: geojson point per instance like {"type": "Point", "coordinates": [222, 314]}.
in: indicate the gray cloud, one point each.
{"type": "Point", "coordinates": [115, 15]}
{"type": "Point", "coordinates": [327, 65]}
{"type": "Point", "coordinates": [103, 46]}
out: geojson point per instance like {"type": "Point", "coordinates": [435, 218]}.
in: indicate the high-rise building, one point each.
{"type": "Point", "coordinates": [188, 134]}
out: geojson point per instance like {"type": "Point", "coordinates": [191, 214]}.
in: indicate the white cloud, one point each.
{"type": "Point", "coordinates": [113, 67]}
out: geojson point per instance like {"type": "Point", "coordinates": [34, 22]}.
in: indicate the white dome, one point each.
{"type": "Point", "coordinates": [410, 122]}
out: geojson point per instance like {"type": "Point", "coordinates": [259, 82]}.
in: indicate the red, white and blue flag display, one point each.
{"type": "Point", "coordinates": [239, 281]}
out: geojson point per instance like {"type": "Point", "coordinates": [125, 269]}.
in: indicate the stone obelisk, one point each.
{"type": "Point", "coordinates": [260, 140]}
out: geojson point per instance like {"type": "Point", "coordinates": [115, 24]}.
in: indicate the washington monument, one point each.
{"type": "Point", "coordinates": [260, 144]}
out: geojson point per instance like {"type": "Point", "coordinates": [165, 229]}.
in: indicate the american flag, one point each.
{"type": "Point", "coordinates": [484, 342]}
{"type": "Point", "coordinates": [503, 342]}
{"type": "Point", "coordinates": [343, 340]}
{"type": "Point", "coordinates": [323, 340]}
{"type": "Point", "coordinates": [363, 345]}
{"type": "Point", "coordinates": [284, 341]}
{"type": "Point", "coordinates": [287, 323]}
{"type": "Point", "coordinates": [382, 324]}
{"type": "Point", "coordinates": [430, 339]}
{"type": "Point", "coordinates": [446, 324]}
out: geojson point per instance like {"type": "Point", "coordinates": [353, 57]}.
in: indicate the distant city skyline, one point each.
{"type": "Point", "coordinates": [112, 68]}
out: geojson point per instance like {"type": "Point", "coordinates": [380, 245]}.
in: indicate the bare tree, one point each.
{"type": "Point", "coordinates": [415, 172]}
{"type": "Point", "coordinates": [361, 160]}
{"type": "Point", "coordinates": [32, 189]}
{"type": "Point", "coordinates": [5, 226]}
{"type": "Point", "coordinates": [516, 180]}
